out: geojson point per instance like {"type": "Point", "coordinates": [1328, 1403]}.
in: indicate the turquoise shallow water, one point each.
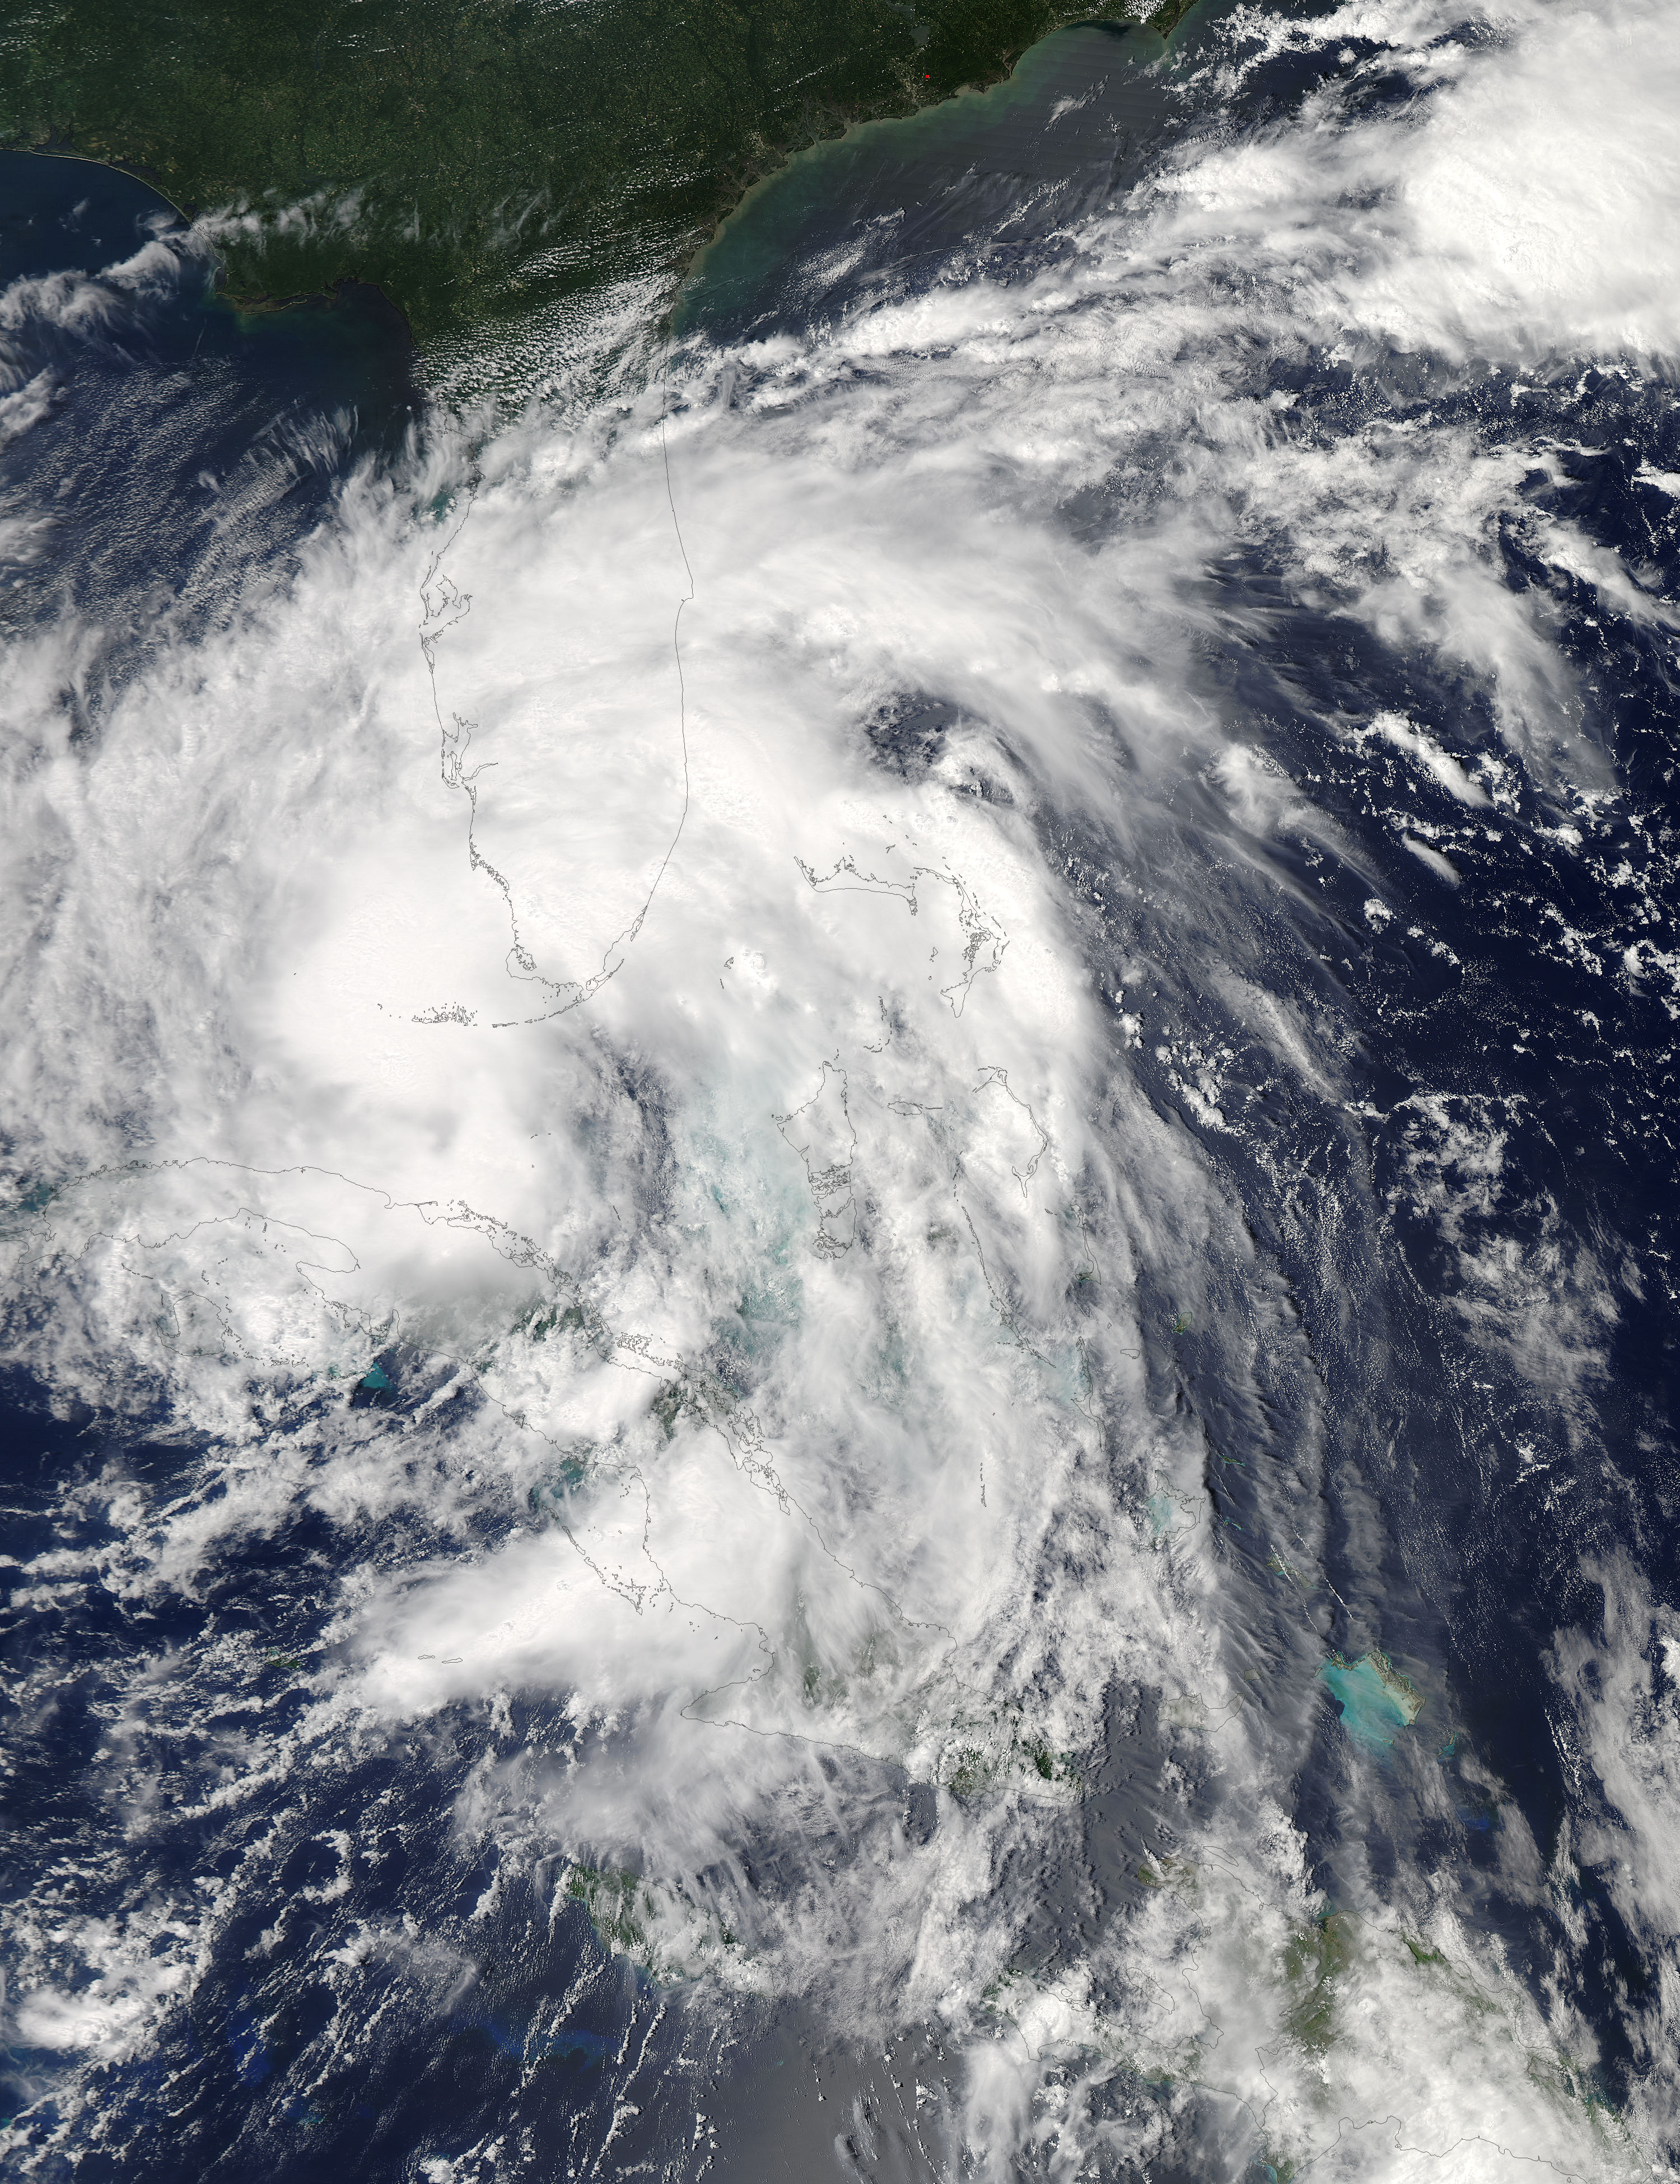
{"type": "Point", "coordinates": [1319, 1366]}
{"type": "Point", "coordinates": [1375, 1704]}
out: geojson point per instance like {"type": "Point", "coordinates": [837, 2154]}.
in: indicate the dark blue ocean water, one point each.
{"type": "Point", "coordinates": [183, 445]}
{"type": "Point", "coordinates": [1466, 1500]}
{"type": "Point", "coordinates": [178, 455]}
{"type": "Point", "coordinates": [1467, 1506]}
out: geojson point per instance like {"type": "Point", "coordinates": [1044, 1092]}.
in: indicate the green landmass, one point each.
{"type": "Point", "coordinates": [1313, 1963]}
{"type": "Point", "coordinates": [617, 1903]}
{"type": "Point", "coordinates": [480, 160]}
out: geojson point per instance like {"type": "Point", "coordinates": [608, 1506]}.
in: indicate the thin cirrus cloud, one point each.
{"type": "Point", "coordinates": [507, 943]}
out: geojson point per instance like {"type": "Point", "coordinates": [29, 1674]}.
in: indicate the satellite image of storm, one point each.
{"type": "Point", "coordinates": [839, 1178]}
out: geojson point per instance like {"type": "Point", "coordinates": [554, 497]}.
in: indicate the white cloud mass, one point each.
{"type": "Point", "coordinates": [465, 950]}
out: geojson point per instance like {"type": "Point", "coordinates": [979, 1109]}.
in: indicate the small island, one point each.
{"type": "Point", "coordinates": [1376, 1701]}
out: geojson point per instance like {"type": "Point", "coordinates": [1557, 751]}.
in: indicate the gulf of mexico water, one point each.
{"type": "Point", "coordinates": [842, 1183]}
{"type": "Point", "coordinates": [160, 444]}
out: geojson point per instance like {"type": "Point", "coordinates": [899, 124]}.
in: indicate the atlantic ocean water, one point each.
{"type": "Point", "coordinates": [841, 1193]}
